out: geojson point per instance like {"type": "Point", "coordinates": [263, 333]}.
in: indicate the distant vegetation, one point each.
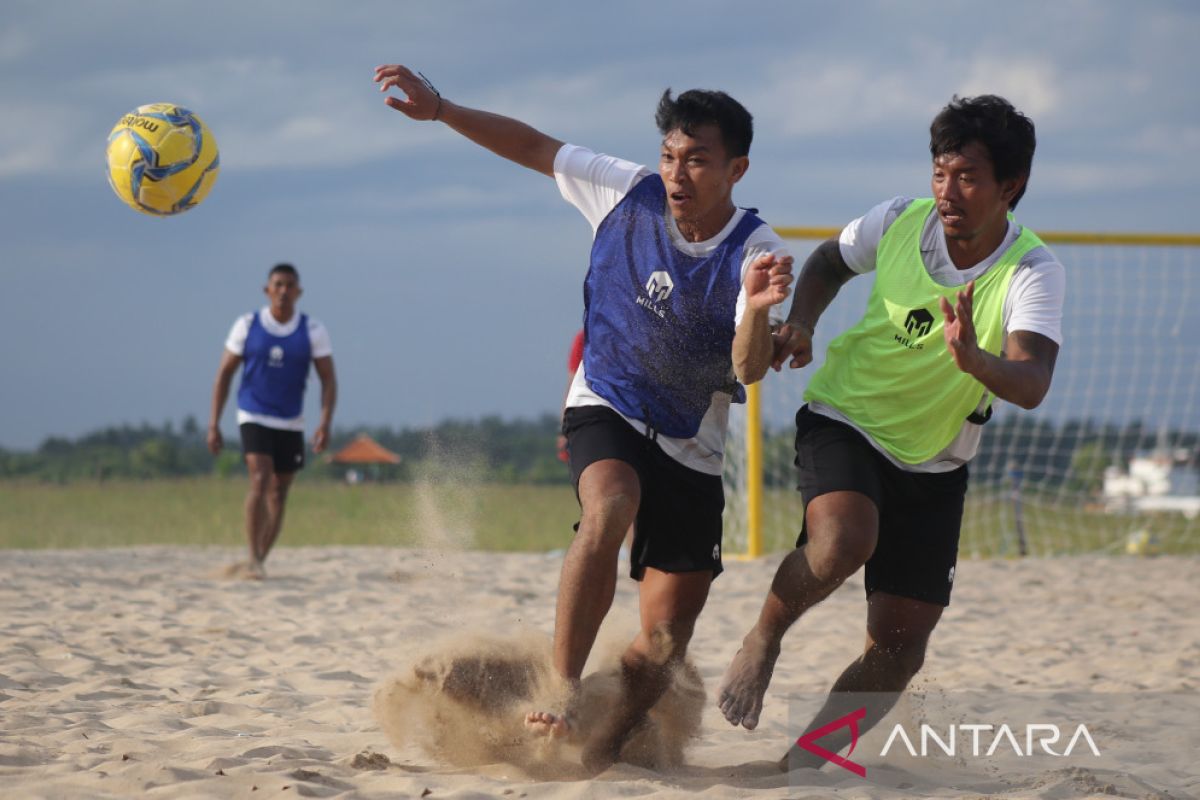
{"type": "Point", "coordinates": [490, 450]}
{"type": "Point", "coordinates": [498, 485]}
{"type": "Point", "coordinates": [1068, 457]}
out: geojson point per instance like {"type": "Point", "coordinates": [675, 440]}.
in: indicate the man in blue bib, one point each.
{"type": "Point", "coordinates": [275, 346]}
{"type": "Point", "coordinates": [681, 282]}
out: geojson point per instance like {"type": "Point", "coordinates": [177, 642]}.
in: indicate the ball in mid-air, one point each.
{"type": "Point", "coordinates": [162, 159]}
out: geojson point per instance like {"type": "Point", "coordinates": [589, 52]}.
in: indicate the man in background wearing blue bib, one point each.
{"type": "Point", "coordinates": [677, 297]}
{"type": "Point", "coordinates": [275, 346]}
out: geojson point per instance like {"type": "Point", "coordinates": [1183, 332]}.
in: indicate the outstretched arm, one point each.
{"type": "Point", "coordinates": [1021, 377]}
{"type": "Point", "coordinates": [324, 367]}
{"type": "Point", "coordinates": [220, 393]}
{"type": "Point", "coordinates": [823, 274]}
{"type": "Point", "coordinates": [504, 136]}
{"type": "Point", "coordinates": [766, 284]}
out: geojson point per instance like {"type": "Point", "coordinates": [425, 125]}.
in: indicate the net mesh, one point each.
{"type": "Point", "coordinates": [1110, 462]}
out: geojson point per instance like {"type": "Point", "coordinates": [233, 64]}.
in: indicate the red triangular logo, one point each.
{"type": "Point", "coordinates": [808, 741]}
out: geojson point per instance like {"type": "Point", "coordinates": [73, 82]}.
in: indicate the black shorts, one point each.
{"type": "Point", "coordinates": [678, 525]}
{"type": "Point", "coordinates": [920, 513]}
{"type": "Point", "coordinates": [286, 448]}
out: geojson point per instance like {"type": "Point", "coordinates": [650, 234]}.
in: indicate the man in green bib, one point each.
{"type": "Point", "coordinates": [966, 307]}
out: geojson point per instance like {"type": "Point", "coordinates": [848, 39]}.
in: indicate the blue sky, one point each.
{"type": "Point", "coordinates": [449, 279]}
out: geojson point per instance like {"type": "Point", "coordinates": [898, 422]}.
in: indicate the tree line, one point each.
{"type": "Point", "coordinates": [1069, 456]}
{"type": "Point", "coordinates": [1038, 453]}
{"type": "Point", "coordinates": [489, 449]}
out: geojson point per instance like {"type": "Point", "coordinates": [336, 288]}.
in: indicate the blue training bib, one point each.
{"type": "Point", "coordinates": [659, 323]}
{"type": "Point", "coordinates": [275, 370]}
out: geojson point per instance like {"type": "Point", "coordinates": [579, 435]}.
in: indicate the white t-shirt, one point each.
{"type": "Point", "coordinates": [235, 343]}
{"type": "Point", "coordinates": [595, 184]}
{"type": "Point", "coordinates": [1034, 302]}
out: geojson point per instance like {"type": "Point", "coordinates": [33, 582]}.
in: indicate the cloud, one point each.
{"type": "Point", "coordinates": [431, 200]}
{"type": "Point", "coordinates": [25, 157]}
{"type": "Point", "coordinates": [57, 145]}
{"type": "Point", "coordinates": [814, 95]}
{"type": "Point", "coordinates": [15, 44]}
{"type": "Point", "coordinates": [1160, 160]}
{"type": "Point", "coordinates": [1031, 84]}
{"type": "Point", "coordinates": [592, 106]}
{"type": "Point", "coordinates": [264, 113]}
{"type": "Point", "coordinates": [1158, 139]}
{"type": "Point", "coordinates": [1076, 178]}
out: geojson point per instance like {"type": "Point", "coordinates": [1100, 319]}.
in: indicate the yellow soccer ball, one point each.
{"type": "Point", "coordinates": [162, 159]}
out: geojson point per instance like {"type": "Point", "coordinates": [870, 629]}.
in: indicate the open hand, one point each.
{"type": "Point", "coordinates": [959, 329]}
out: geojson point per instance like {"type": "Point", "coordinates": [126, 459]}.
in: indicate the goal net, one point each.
{"type": "Point", "coordinates": [1110, 462]}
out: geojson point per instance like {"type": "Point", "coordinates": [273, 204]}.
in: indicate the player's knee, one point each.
{"type": "Point", "coordinates": [260, 481]}
{"type": "Point", "coordinates": [837, 557]}
{"type": "Point", "coordinates": [909, 660]}
{"type": "Point", "coordinates": [279, 488]}
{"type": "Point", "coordinates": [902, 659]}
{"type": "Point", "coordinates": [912, 659]}
{"type": "Point", "coordinates": [607, 518]}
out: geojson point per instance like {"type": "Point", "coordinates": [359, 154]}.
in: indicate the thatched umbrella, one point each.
{"type": "Point", "coordinates": [364, 451]}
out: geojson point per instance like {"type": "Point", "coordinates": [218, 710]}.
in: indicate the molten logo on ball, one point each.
{"type": "Point", "coordinates": [162, 159]}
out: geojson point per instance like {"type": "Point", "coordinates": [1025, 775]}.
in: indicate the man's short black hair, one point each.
{"type": "Point", "coordinates": [1004, 132]}
{"type": "Point", "coordinates": [697, 107]}
{"type": "Point", "coordinates": [284, 268]}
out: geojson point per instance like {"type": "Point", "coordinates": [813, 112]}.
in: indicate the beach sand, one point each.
{"type": "Point", "coordinates": [140, 673]}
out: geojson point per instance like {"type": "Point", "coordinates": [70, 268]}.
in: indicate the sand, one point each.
{"type": "Point", "coordinates": [137, 673]}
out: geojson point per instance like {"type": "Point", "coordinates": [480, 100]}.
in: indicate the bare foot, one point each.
{"type": "Point", "coordinates": [795, 758]}
{"type": "Point", "coordinates": [607, 738]}
{"type": "Point", "coordinates": [243, 571]}
{"type": "Point", "coordinates": [740, 697]}
{"type": "Point", "coordinates": [602, 751]}
{"type": "Point", "coordinates": [543, 723]}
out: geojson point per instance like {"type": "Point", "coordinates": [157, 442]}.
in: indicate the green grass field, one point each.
{"type": "Point", "coordinates": [500, 517]}
{"type": "Point", "coordinates": [208, 511]}
{"type": "Point", "coordinates": [989, 529]}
